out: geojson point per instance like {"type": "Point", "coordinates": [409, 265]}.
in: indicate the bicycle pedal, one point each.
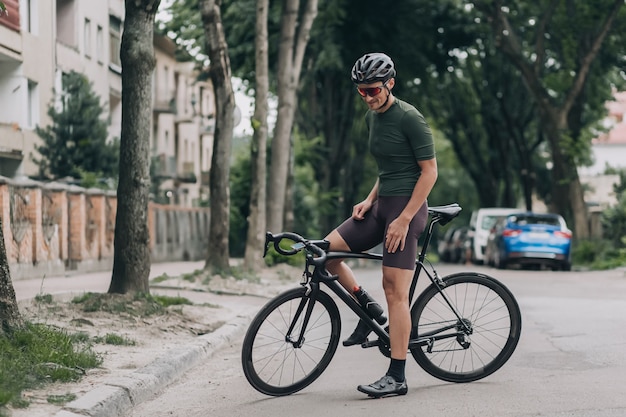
{"type": "Point", "coordinates": [370, 343]}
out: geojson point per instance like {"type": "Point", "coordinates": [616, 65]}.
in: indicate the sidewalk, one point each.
{"type": "Point", "coordinates": [116, 395]}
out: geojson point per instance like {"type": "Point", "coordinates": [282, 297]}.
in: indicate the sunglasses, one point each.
{"type": "Point", "coordinates": [372, 91]}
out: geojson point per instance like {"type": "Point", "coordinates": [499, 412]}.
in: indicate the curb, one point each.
{"type": "Point", "coordinates": [116, 396]}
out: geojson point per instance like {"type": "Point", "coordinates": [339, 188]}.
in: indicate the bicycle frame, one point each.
{"type": "Point", "coordinates": [313, 279]}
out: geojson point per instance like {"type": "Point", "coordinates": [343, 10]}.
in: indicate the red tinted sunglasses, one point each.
{"type": "Point", "coordinates": [372, 91]}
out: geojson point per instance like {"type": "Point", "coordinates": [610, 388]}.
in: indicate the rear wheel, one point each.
{"type": "Point", "coordinates": [273, 361]}
{"type": "Point", "coordinates": [480, 342]}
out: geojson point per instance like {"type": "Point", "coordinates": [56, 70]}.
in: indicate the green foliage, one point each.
{"type": "Point", "coordinates": [614, 218]}
{"type": "Point", "coordinates": [609, 252]}
{"type": "Point", "coordinates": [37, 354]}
{"type": "Point", "coordinates": [75, 143]}
{"type": "Point", "coordinates": [599, 254]}
{"type": "Point", "coordinates": [274, 258]}
{"type": "Point", "coordinates": [240, 188]}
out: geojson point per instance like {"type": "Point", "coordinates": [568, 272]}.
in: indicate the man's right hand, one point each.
{"type": "Point", "coordinates": [359, 210]}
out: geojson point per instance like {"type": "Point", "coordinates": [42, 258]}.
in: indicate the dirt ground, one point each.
{"type": "Point", "coordinates": [215, 301]}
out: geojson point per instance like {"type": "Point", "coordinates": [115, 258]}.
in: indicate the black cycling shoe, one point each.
{"type": "Point", "coordinates": [359, 335]}
{"type": "Point", "coordinates": [386, 385]}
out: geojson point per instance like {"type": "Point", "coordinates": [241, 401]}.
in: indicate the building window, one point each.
{"type": "Point", "coordinates": [115, 37]}
{"type": "Point", "coordinates": [67, 23]}
{"type": "Point", "coordinates": [33, 104]}
{"type": "Point", "coordinates": [87, 38]}
{"type": "Point", "coordinates": [29, 16]}
{"type": "Point", "coordinates": [100, 45]}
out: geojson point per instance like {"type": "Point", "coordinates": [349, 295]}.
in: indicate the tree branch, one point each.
{"type": "Point", "coordinates": [587, 60]}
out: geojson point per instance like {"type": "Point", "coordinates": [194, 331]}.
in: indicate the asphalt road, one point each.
{"type": "Point", "coordinates": [571, 361]}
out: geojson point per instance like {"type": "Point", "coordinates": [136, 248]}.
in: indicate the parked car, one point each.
{"type": "Point", "coordinates": [458, 244]}
{"type": "Point", "coordinates": [481, 223]}
{"type": "Point", "coordinates": [530, 239]}
{"type": "Point", "coordinates": [444, 245]}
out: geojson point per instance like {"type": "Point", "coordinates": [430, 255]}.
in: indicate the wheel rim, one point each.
{"type": "Point", "coordinates": [281, 363]}
{"type": "Point", "coordinates": [480, 350]}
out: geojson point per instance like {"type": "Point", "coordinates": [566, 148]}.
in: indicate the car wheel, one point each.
{"type": "Point", "coordinates": [566, 266]}
{"type": "Point", "coordinates": [498, 262]}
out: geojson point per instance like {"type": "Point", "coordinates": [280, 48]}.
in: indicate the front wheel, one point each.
{"type": "Point", "coordinates": [477, 344]}
{"type": "Point", "coordinates": [275, 362]}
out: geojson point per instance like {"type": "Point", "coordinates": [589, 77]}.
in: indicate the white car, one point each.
{"type": "Point", "coordinates": [480, 225]}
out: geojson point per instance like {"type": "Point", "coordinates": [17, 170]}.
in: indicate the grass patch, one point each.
{"type": "Point", "coordinates": [37, 354]}
{"type": "Point", "coordinates": [44, 298]}
{"type": "Point", "coordinates": [135, 305]}
{"type": "Point", "coordinates": [160, 278]}
{"type": "Point", "coordinates": [61, 399]}
{"type": "Point", "coordinates": [167, 301]}
{"type": "Point", "coordinates": [114, 339]}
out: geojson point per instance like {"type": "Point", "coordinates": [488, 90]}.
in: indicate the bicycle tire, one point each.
{"type": "Point", "coordinates": [273, 365]}
{"type": "Point", "coordinates": [495, 319]}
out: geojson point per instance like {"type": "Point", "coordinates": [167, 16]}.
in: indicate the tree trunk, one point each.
{"type": "Point", "coordinates": [567, 191]}
{"type": "Point", "coordinates": [294, 37]}
{"type": "Point", "coordinates": [9, 314]}
{"type": "Point", "coordinates": [131, 261]}
{"type": "Point", "coordinates": [258, 153]}
{"type": "Point", "coordinates": [220, 73]}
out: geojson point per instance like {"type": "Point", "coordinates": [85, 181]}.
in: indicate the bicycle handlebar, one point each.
{"type": "Point", "coordinates": [277, 238]}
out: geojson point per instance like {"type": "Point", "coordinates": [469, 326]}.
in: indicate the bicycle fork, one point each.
{"type": "Point", "coordinates": [309, 302]}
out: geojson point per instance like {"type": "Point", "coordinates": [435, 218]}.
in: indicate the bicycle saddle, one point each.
{"type": "Point", "coordinates": [445, 213]}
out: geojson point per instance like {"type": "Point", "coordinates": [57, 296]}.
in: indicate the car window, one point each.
{"type": "Point", "coordinates": [524, 220]}
{"type": "Point", "coordinates": [489, 222]}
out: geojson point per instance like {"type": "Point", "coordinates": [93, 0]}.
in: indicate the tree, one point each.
{"type": "Point", "coordinates": [555, 62]}
{"type": "Point", "coordinates": [76, 142]}
{"type": "Point", "coordinates": [9, 313]}
{"type": "Point", "coordinates": [258, 147]}
{"type": "Point", "coordinates": [294, 36]}
{"type": "Point", "coordinates": [131, 259]}
{"type": "Point", "coordinates": [219, 71]}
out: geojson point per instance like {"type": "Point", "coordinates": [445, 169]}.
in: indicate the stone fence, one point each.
{"type": "Point", "coordinates": [53, 228]}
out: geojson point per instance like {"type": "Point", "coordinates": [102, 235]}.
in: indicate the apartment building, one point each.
{"type": "Point", "coordinates": [42, 40]}
{"type": "Point", "coordinates": [183, 121]}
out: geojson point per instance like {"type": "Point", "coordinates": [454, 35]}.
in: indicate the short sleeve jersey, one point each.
{"type": "Point", "coordinates": [398, 139]}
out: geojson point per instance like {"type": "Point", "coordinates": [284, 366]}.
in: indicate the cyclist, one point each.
{"type": "Point", "coordinates": [395, 211]}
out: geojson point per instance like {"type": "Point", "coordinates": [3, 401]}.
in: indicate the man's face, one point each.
{"type": "Point", "coordinates": [375, 94]}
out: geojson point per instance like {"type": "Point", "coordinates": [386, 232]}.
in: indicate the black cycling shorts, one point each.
{"type": "Point", "coordinates": [363, 235]}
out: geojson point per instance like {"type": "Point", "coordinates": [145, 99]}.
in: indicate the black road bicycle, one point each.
{"type": "Point", "coordinates": [465, 326]}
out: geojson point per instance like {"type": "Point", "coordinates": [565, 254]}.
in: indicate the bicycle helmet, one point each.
{"type": "Point", "coordinates": [373, 67]}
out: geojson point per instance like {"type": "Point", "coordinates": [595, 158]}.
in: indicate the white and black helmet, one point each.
{"type": "Point", "coordinates": [373, 67]}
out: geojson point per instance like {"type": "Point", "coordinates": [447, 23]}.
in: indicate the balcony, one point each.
{"type": "Point", "coordinates": [164, 101]}
{"type": "Point", "coordinates": [189, 173]}
{"type": "Point", "coordinates": [205, 178]}
{"type": "Point", "coordinates": [164, 166]}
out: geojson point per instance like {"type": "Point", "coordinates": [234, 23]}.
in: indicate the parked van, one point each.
{"type": "Point", "coordinates": [480, 225]}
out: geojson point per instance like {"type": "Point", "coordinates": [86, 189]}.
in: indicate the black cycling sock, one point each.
{"type": "Point", "coordinates": [396, 369]}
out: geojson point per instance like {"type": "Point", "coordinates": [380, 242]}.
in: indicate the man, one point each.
{"type": "Point", "coordinates": [395, 211]}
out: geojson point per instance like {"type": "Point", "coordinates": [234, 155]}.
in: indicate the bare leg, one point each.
{"type": "Point", "coordinates": [338, 266]}
{"type": "Point", "coordinates": [397, 283]}
{"type": "Point", "coordinates": [348, 281]}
